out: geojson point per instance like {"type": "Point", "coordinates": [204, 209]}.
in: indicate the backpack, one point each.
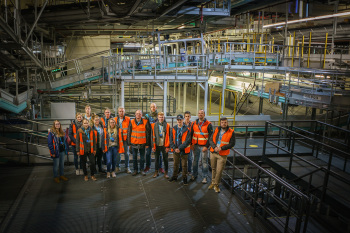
{"type": "Point", "coordinates": [69, 141]}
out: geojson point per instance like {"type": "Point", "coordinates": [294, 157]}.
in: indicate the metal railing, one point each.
{"type": "Point", "coordinates": [278, 203]}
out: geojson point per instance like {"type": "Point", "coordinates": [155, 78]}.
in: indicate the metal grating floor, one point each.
{"type": "Point", "coordinates": [126, 204]}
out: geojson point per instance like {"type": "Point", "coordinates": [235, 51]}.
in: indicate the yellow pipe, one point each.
{"type": "Point", "coordinates": [117, 50]}
{"type": "Point", "coordinates": [219, 46]}
{"type": "Point", "coordinates": [293, 49]}
{"type": "Point", "coordinates": [308, 55]}
{"type": "Point", "coordinates": [122, 51]}
{"type": "Point", "coordinates": [325, 51]}
{"type": "Point", "coordinates": [227, 45]}
{"type": "Point", "coordinates": [290, 41]}
{"type": "Point", "coordinates": [302, 48]}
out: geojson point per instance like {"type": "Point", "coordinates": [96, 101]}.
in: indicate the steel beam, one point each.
{"type": "Point", "coordinates": [35, 22]}
{"type": "Point", "coordinates": [122, 94]}
{"type": "Point", "coordinates": [223, 94]}
{"type": "Point", "coordinates": [165, 97]}
{"type": "Point", "coordinates": [206, 96]}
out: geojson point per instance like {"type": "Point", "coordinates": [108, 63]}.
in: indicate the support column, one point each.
{"type": "Point", "coordinates": [313, 114]}
{"type": "Point", "coordinates": [206, 97]}
{"type": "Point", "coordinates": [223, 94]}
{"type": "Point", "coordinates": [27, 83]}
{"type": "Point", "coordinates": [165, 97]}
{"type": "Point", "coordinates": [179, 95]}
{"type": "Point", "coordinates": [261, 104]}
{"type": "Point", "coordinates": [198, 95]}
{"type": "Point", "coordinates": [184, 105]}
{"type": "Point", "coordinates": [122, 94]}
{"type": "Point", "coordinates": [174, 90]}
{"type": "Point", "coordinates": [16, 100]}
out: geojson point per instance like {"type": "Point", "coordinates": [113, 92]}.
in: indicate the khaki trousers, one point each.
{"type": "Point", "coordinates": [218, 163]}
{"type": "Point", "coordinates": [177, 158]}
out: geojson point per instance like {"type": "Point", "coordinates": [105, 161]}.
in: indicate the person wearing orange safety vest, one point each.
{"type": "Point", "coordinates": [106, 117]}
{"type": "Point", "coordinates": [112, 145]}
{"type": "Point", "coordinates": [221, 143]}
{"type": "Point", "coordinates": [86, 148]}
{"type": "Point", "coordinates": [161, 143]}
{"type": "Point", "coordinates": [189, 124]}
{"type": "Point", "coordinates": [57, 143]}
{"type": "Point", "coordinates": [201, 131]}
{"type": "Point", "coordinates": [139, 140]}
{"type": "Point", "coordinates": [180, 140]}
{"type": "Point", "coordinates": [123, 123]}
{"type": "Point", "coordinates": [72, 132]}
{"type": "Point", "coordinates": [97, 126]}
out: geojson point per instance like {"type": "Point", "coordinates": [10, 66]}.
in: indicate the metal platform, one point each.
{"type": "Point", "coordinates": [124, 204]}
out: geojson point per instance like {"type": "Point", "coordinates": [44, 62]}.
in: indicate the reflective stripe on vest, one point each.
{"type": "Point", "coordinates": [225, 140]}
{"type": "Point", "coordinates": [105, 139]}
{"type": "Point", "coordinates": [138, 133]}
{"type": "Point", "coordinates": [125, 126]}
{"type": "Point", "coordinates": [200, 136]}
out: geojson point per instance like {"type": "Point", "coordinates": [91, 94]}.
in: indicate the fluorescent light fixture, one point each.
{"type": "Point", "coordinates": [308, 19]}
{"type": "Point", "coordinates": [181, 27]}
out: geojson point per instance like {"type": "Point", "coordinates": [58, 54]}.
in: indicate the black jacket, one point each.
{"type": "Point", "coordinates": [226, 147]}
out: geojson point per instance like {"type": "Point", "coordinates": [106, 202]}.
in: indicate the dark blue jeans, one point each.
{"type": "Point", "coordinates": [58, 165]}
{"type": "Point", "coordinates": [111, 156]}
{"type": "Point", "coordinates": [142, 158]}
{"type": "Point", "coordinates": [77, 160]}
{"type": "Point", "coordinates": [148, 158]}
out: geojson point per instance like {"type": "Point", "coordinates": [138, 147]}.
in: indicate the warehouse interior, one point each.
{"type": "Point", "coordinates": [278, 70]}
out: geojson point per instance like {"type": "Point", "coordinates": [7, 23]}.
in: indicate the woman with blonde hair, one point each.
{"type": "Point", "coordinates": [73, 129]}
{"type": "Point", "coordinates": [111, 145]}
{"type": "Point", "coordinates": [58, 146]}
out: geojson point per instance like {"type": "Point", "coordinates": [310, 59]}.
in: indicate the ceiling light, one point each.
{"type": "Point", "coordinates": [181, 27]}
{"type": "Point", "coordinates": [308, 19]}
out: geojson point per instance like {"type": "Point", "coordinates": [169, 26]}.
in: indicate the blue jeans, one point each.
{"type": "Point", "coordinates": [198, 153]}
{"type": "Point", "coordinates": [58, 164]}
{"type": "Point", "coordinates": [77, 160]}
{"type": "Point", "coordinates": [189, 162]}
{"type": "Point", "coordinates": [126, 156]}
{"type": "Point", "coordinates": [111, 157]}
{"type": "Point", "coordinates": [142, 158]}
{"type": "Point", "coordinates": [148, 158]}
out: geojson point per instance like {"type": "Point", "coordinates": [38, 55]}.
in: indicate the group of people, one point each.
{"type": "Point", "coordinates": [107, 138]}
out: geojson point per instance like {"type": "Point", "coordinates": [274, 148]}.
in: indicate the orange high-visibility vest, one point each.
{"type": "Point", "coordinates": [121, 144]}
{"type": "Point", "coordinates": [166, 139]}
{"type": "Point", "coordinates": [104, 122]}
{"type": "Point", "coordinates": [74, 134]}
{"type": "Point", "coordinates": [225, 140]}
{"type": "Point", "coordinates": [92, 139]}
{"type": "Point", "coordinates": [138, 134]}
{"type": "Point", "coordinates": [105, 139]}
{"type": "Point", "coordinates": [125, 126]}
{"type": "Point", "coordinates": [54, 147]}
{"type": "Point", "coordinates": [200, 134]}
{"type": "Point", "coordinates": [183, 139]}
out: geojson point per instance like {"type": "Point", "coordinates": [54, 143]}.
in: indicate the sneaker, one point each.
{"type": "Point", "coordinates": [86, 178]}
{"type": "Point", "coordinates": [156, 174]}
{"type": "Point", "coordinates": [63, 178]}
{"type": "Point", "coordinates": [81, 172]}
{"type": "Point", "coordinates": [135, 173]}
{"type": "Point", "coordinates": [108, 175]}
{"type": "Point", "coordinates": [161, 170]}
{"type": "Point", "coordinates": [185, 181]}
{"type": "Point", "coordinates": [166, 175]}
{"type": "Point", "coordinates": [128, 171]}
{"type": "Point", "coordinates": [77, 172]}
{"type": "Point", "coordinates": [193, 178]}
{"type": "Point", "coordinates": [216, 188]}
{"type": "Point", "coordinates": [57, 180]}
{"type": "Point", "coordinates": [204, 181]}
{"type": "Point", "coordinates": [146, 169]}
{"type": "Point", "coordinates": [117, 169]}
{"type": "Point", "coordinates": [211, 186]}
{"type": "Point", "coordinates": [113, 175]}
{"type": "Point", "coordinates": [173, 179]}
{"type": "Point", "coordinates": [143, 173]}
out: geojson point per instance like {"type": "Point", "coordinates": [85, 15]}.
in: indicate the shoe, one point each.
{"type": "Point", "coordinates": [193, 178]}
{"type": "Point", "coordinates": [189, 173]}
{"type": "Point", "coordinates": [57, 180]}
{"type": "Point", "coordinates": [108, 175]}
{"type": "Point", "coordinates": [173, 179]}
{"type": "Point", "coordinates": [77, 172]}
{"type": "Point", "coordinates": [86, 178]}
{"type": "Point", "coordinates": [185, 181]}
{"type": "Point", "coordinates": [211, 186]}
{"type": "Point", "coordinates": [166, 175]}
{"type": "Point", "coordinates": [117, 169]}
{"type": "Point", "coordinates": [113, 175]}
{"type": "Point", "coordinates": [216, 188]}
{"type": "Point", "coordinates": [204, 181]}
{"type": "Point", "coordinates": [93, 178]}
{"type": "Point", "coordinates": [161, 170]}
{"type": "Point", "coordinates": [63, 178]}
{"type": "Point", "coordinates": [128, 171]}
{"type": "Point", "coordinates": [146, 169]}
{"type": "Point", "coordinates": [143, 173]}
{"type": "Point", "coordinates": [155, 174]}
{"type": "Point", "coordinates": [81, 172]}
{"type": "Point", "coordinates": [135, 173]}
